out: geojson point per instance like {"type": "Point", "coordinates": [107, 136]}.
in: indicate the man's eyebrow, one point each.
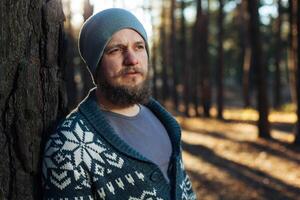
{"type": "Point", "coordinates": [140, 42]}
{"type": "Point", "coordinates": [108, 47]}
{"type": "Point", "coordinates": [120, 45]}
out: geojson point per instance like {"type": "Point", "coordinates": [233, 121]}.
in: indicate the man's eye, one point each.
{"type": "Point", "coordinates": [114, 50]}
{"type": "Point", "coordinates": [141, 46]}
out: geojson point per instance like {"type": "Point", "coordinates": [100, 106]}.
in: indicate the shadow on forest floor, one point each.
{"type": "Point", "coordinates": [280, 126]}
{"type": "Point", "coordinates": [226, 161]}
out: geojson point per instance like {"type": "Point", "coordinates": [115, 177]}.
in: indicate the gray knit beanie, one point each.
{"type": "Point", "coordinates": [97, 31]}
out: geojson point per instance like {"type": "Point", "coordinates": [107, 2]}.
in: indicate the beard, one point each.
{"type": "Point", "coordinates": [124, 95]}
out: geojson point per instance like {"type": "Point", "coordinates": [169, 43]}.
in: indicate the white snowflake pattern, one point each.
{"type": "Point", "coordinates": [82, 146]}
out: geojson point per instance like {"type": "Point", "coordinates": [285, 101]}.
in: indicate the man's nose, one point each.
{"type": "Point", "coordinates": [130, 58]}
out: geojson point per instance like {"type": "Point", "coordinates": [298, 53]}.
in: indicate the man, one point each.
{"type": "Point", "coordinates": [119, 143]}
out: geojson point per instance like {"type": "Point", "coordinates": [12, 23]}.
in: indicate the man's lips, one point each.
{"type": "Point", "coordinates": [132, 73]}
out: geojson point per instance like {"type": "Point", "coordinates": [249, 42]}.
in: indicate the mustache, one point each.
{"type": "Point", "coordinates": [127, 70]}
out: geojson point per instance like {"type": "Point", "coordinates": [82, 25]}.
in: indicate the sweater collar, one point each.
{"type": "Point", "coordinates": [91, 110]}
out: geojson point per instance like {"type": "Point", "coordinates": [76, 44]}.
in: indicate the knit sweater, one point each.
{"type": "Point", "coordinates": [85, 159]}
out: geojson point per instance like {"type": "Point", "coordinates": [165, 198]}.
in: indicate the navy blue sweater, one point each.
{"type": "Point", "coordinates": [85, 159]}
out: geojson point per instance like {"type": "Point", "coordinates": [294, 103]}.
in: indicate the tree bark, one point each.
{"type": "Point", "coordinates": [260, 69]}
{"type": "Point", "coordinates": [32, 96]}
{"type": "Point", "coordinates": [220, 62]}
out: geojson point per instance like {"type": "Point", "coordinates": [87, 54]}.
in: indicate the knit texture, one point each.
{"type": "Point", "coordinates": [85, 159]}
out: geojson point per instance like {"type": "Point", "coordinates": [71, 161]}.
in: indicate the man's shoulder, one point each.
{"type": "Point", "coordinates": [73, 126]}
{"type": "Point", "coordinates": [71, 120]}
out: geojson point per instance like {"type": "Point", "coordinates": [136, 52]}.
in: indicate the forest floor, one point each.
{"type": "Point", "coordinates": [226, 160]}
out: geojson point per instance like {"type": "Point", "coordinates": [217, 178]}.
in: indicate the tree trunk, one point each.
{"type": "Point", "coordinates": [293, 48]}
{"type": "Point", "coordinates": [185, 67]}
{"type": "Point", "coordinates": [204, 67]}
{"type": "Point", "coordinates": [245, 53]}
{"type": "Point", "coordinates": [164, 53]}
{"type": "Point", "coordinates": [31, 91]}
{"type": "Point", "coordinates": [172, 53]}
{"type": "Point", "coordinates": [260, 69]}
{"type": "Point", "coordinates": [246, 76]}
{"type": "Point", "coordinates": [220, 62]}
{"type": "Point", "coordinates": [154, 68]}
{"type": "Point", "coordinates": [297, 139]}
{"type": "Point", "coordinates": [88, 9]}
{"type": "Point", "coordinates": [278, 57]}
{"type": "Point", "coordinates": [195, 57]}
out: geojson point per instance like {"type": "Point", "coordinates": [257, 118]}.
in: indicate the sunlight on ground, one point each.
{"type": "Point", "coordinates": [252, 115]}
{"type": "Point", "coordinates": [228, 156]}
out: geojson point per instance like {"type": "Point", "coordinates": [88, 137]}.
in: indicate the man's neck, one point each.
{"type": "Point", "coordinates": [106, 105]}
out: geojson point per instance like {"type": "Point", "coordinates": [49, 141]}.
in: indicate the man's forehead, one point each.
{"type": "Point", "coordinates": [126, 35]}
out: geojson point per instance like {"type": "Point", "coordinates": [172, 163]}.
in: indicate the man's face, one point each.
{"type": "Point", "coordinates": [123, 73]}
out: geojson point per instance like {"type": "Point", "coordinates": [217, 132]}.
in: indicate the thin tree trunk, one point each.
{"type": "Point", "coordinates": [172, 53]}
{"type": "Point", "coordinates": [164, 53]}
{"type": "Point", "coordinates": [88, 9]}
{"type": "Point", "coordinates": [260, 69]}
{"type": "Point", "coordinates": [204, 67]}
{"type": "Point", "coordinates": [293, 48]}
{"type": "Point", "coordinates": [246, 76]}
{"type": "Point", "coordinates": [278, 58]}
{"type": "Point", "coordinates": [154, 68]}
{"type": "Point", "coordinates": [245, 52]}
{"type": "Point", "coordinates": [32, 95]}
{"type": "Point", "coordinates": [220, 62]}
{"type": "Point", "coordinates": [184, 65]}
{"type": "Point", "coordinates": [297, 139]}
{"type": "Point", "coordinates": [195, 57]}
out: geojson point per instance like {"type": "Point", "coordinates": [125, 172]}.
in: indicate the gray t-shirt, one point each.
{"type": "Point", "coordinates": [146, 134]}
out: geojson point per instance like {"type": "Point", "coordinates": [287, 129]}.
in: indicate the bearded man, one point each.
{"type": "Point", "coordinates": [119, 143]}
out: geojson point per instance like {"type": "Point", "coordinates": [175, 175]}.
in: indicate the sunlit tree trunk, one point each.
{"type": "Point", "coordinates": [260, 69]}
{"type": "Point", "coordinates": [88, 9]}
{"type": "Point", "coordinates": [220, 61]}
{"type": "Point", "coordinates": [245, 53]}
{"type": "Point", "coordinates": [32, 95]}
{"type": "Point", "coordinates": [246, 76]}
